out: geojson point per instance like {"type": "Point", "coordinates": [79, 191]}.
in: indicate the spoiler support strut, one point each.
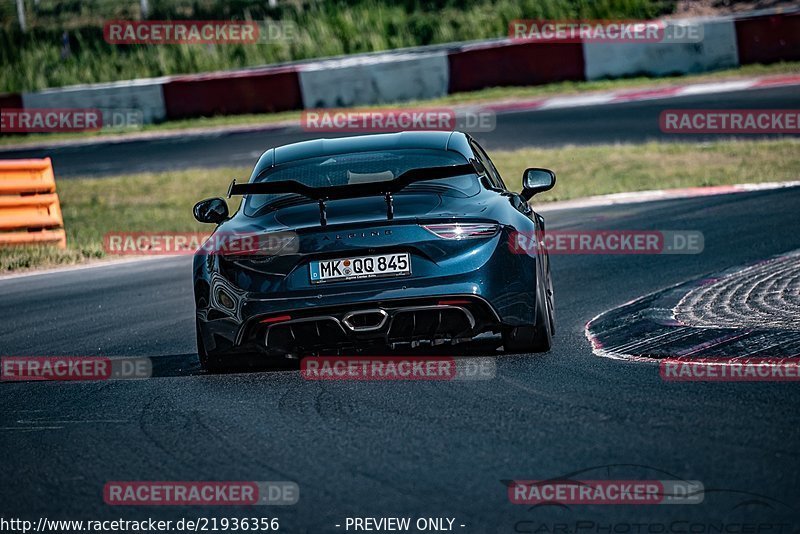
{"type": "Point", "coordinates": [389, 205]}
{"type": "Point", "coordinates": [323, 214]}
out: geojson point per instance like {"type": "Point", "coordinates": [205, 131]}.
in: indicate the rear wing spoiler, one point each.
{"type": "Point", "coordinates": [385, 188]}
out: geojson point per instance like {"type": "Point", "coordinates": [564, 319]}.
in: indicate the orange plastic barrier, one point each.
{"type": "Point", "coordinates": [29, 207]}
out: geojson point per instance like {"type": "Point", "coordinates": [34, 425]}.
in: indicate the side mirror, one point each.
{"type": "Point", "coordinates": [536, 180]}
{"type": "Point", "coordinates": [211, 210]}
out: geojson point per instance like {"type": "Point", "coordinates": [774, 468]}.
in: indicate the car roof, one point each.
{"type": "Point", "coordinates": [455, 141]}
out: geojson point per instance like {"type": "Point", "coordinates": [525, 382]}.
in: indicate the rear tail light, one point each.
{"type": "Point", "coordinates": [462, 230]}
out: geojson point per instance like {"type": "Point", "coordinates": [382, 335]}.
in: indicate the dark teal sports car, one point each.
{"type": "Point", "coordinates": [372, 242]}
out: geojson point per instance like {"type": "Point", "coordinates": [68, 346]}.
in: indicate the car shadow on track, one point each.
{"type": "Point", "coordinates": [188, 364]}
{"type": "Point", "coordinates": [176, 365]}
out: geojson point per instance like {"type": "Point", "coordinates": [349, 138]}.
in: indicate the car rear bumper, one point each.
{"type": "Point", "coordinates": [500, 291]}
{"type": "Point", "coordinates": [432, 319]}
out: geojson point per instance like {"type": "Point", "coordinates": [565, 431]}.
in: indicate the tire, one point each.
{"type": "Point", "coordinates": [550, 306]}
{"type": "Point", "coordinates": [207, 363]}
{"type": "Point", "coordinates": [229, 363]}
{"type": "Point", "coordinates": [536, 338]}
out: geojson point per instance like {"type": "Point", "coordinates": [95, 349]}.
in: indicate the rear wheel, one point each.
{"type": "Point", "coordinates": [234, 362]}
{"type": "Point", "coordinates": [207, 363]}
{"type": "Point", "coordinates": [536, 338]}
{"type": "Point", "coordinates": [551, 308]}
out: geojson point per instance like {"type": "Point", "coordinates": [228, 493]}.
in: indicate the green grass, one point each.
{"type": "Point", "coordinates": [162, 201]}
{"type": "Point", "coordinates": [33, 60]}
{"type": "Point", "coordinates": [475, 97]}
{"type": "Point", "coordinates": [605, 169]}
{"type": "Point", "coordinates": [158, 202]}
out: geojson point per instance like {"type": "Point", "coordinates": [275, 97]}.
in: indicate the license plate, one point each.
{"type": "Point", "coordinates": [384, 265]}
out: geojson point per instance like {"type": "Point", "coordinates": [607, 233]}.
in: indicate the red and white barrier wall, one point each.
{"type": "Point", "coordinates": [506, 62]}
{"type": "Point", "coordinates": [717, 50]}
{"type": "Point", "coordinates": [375, 79]}
{"type": "Point", "coordinates": [262, 90]}
{"type": "Point", "coordinates": [429, 72]}
{"type": "Point", "coordinates": [145, 96]}
{"type": "Point", "coordinates": [767, 39]}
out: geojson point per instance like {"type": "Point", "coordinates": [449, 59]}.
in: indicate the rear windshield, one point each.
{"type": "Point", "coordinates": [362, 167]}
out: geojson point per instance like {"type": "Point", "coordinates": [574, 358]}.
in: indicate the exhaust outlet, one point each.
{"type": "Point", "coordinates": [365, 320]}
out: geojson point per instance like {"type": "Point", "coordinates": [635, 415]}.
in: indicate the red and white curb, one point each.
{"type": "Point", "coordinates": [151, 136]}
{"type": "Point", "coordinates": [664, 326]}
{"type": "Point", "coordinates": [635, 95]}
{"type": "Point", "coordinates": [598, 350]}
